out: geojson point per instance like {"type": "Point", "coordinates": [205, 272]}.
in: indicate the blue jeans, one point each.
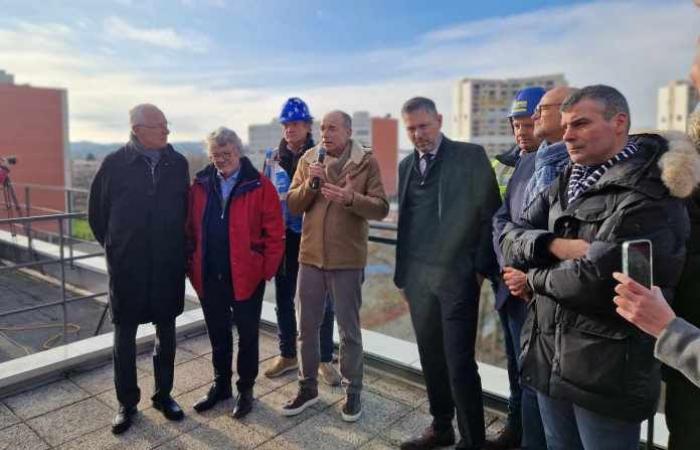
{"type": "Point", "coordinates": [533, 430]}
{"type": "Point", "coordinates": [570, 427]}
{"type": "Point", "coordinates": [512, 316]}
{"type": "Point", "coordinates": [285, 289]}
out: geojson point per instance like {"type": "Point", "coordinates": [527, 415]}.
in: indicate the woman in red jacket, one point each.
{"type": "Point", "coordinates": [236, 240]}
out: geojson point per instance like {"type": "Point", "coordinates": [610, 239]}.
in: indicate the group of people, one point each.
{"type": "Point", "coordinates": [576, 185]}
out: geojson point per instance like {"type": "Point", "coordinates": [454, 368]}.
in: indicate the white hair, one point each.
{"type": "Point", "coordinates": [224, 136]}
{"type": "Point", "coordinates": [136, 114]}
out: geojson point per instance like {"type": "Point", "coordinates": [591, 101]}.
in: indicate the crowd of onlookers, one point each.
{"type": "Point", "coordinates": [584, 341]}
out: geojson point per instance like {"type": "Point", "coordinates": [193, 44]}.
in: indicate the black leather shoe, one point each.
{"type": "Point", "coordinates": [214, 396]}
{"type": "Point", "coordinates": [244, 404]}
{"type": "Point", "coordinates": [169, 407]}
{"type": "Point", "coordinates": [122, 421]}
{"type": "Point", "coordinates": [430, 438]}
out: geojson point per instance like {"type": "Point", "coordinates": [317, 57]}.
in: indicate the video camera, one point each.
{"type": "Point", "coordinates": [8, 160]}
{"type": "Point", "coordinates": [5, 163]}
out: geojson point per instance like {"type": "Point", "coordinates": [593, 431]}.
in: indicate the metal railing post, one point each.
{"type": "Point", "coordinates": [63, 280]}
{"type": "Point", "coordinates": [28, 225]}
{"type": "Point", "coordinates": [69, 199]}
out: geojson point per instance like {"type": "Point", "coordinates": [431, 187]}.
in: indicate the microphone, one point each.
{"type": "Point", "coordinates": [316, 181]}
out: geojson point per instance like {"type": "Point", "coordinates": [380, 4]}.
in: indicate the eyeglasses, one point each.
{"type": "Point", "coordinates": [541, 107]}
{"type": "Point", "coordinates": [223, 156]}
{"type": "Point", "coordinates": [161, 126]}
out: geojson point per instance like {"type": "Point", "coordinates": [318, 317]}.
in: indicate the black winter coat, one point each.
{"type": "Point", "coordinates": [139, 216]}
{"type": "Point", "coordinates": [574, 345]}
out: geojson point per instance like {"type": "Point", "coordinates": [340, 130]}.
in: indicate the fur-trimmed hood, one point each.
{"type": "Point", "coordinates": [680, 165]}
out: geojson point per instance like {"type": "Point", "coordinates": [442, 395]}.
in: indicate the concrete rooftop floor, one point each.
{"type": "Point", "coordinates": [75, 412]}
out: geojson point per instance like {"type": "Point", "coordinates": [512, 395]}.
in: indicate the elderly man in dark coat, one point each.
{"type": "Point", "coordinates": [137, 212]}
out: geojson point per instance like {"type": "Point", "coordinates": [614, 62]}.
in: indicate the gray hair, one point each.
{"type": "Point", "coordinates": [419, 104]}
{"type": "Point", "coordinates": [224, 136]}
{"type": "Point", "coordinates": [611, 99]}
{"type": "Point", "coordinates": [136, 114]}
{"type": "Point", "coordinates": [347, 120]}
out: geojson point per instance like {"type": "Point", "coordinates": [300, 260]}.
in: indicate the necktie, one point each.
{"type": "Point", "coordinates": [423, 163]}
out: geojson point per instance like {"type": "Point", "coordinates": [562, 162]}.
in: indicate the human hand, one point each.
{"type": "Point", "coordinates": [317, 170]}
{"type": "Point", "coordinates": [516, 281]}
{"type": "Point", "coordinates": [647, 309]}
{"type": "Point", "coordinates": [564, 249]}
{"type": "Point", "coordinates": [343, 195]}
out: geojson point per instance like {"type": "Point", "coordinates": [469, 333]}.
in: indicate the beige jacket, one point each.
{"type": "Point", "coordinates": [335, 236]}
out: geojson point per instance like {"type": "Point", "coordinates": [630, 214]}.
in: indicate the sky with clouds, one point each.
{"type": "Point", "coordinates": [224, 62]}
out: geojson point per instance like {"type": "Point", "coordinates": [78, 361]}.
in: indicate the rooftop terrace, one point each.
{"type": "Point", "coordinates": [75, 411]}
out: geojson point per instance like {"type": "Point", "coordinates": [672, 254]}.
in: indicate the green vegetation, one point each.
{"type": "Point", "coordinates": [81, 230]}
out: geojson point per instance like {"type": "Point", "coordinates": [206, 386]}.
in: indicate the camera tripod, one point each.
{"type": "Point", "coordinates": [10, 197]}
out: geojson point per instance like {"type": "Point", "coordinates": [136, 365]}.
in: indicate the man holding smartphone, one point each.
{"type": "Point", "coordinates": [595, 375]}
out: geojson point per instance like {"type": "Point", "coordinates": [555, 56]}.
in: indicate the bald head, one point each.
{"type": "Point", "coordinates": [336, 129]}
{"type": "Point", "coordinates": [140, 113]}
{"type": "Point", "coordinates": [547, 116]}
{"type": "Point", "coordinates": [149, 126]}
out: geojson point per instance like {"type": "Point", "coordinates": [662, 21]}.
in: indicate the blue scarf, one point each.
{"type": "Point", "coordinates": [550, 161]}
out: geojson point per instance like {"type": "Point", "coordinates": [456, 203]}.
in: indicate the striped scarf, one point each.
{"type": "Point", "coordinates": [583, 177]}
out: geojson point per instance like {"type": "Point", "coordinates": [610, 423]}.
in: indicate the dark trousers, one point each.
{"type": "Point", "coordinates": [445, 321]}
{"type": "Point", "coordinates": [124, 355]}
{"type": "Point", "coordinates": [285, 290]}
{"type": "Point", "coordinates": [682, 413]}
{"type": "Point", "coordinates": [221, 311]}
{"type": "Point", "coordinates": [523, 412]}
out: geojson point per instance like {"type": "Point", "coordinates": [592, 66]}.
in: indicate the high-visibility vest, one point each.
{"type": "Point", "coordinates": [503, 173]}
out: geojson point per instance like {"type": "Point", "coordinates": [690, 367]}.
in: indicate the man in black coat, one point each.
{"type": "Point", "coordinates": [447, 196]}
{"type": "Point", "coordinates": [137, 212]}
{"type": "Point", "coordinates": [595, 374]}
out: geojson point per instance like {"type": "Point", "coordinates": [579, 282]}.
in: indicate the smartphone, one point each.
{"type": "Point", "coordinates": [637, 261]}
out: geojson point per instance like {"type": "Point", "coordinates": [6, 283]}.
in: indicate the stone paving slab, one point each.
{"type": "Point", "coordinates": [378, 444]}
{"type": "Point", "coordinates": [222, 432]}
{"type": "Point", "coordinates": [45, 398]}
{"type": "Point", "coordinates": [395, 389]}
{"type": "Point", "coordinates": [193, 374]}
{"type": "Point", "coordinates": [21, 437]}
{"type": "Point", "coordinates": [72, 421]}
{"type": "Point", "coordinates": [325, 430]}
{"type": "Point", "coordinates": [408, 427]}
{"type": "Point", "coordinates": [6, 417]}
{"type": "Point", "coordinates": [267, 419]}
{"type": "Point", "coordinates": [199, 345]}
{"type": "Point", "coordinates": [98, 380]}
{"type": "Point", "coordinates": [144, 361]}
{"type": "Point", "coordinates": [146, 385]}
{"type": "Point", "coordinates": [76, 413]}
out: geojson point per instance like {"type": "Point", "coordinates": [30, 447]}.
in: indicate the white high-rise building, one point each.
{"type": "Point", "coordinates": [481, 106]}
{"type": "Point", "coordinates": [362, 127]}
{"type": "Point", "coordinates": [676, 101]}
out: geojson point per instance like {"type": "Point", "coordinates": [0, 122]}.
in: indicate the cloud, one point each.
{"type": "Point", "coordinates": [604, 42]}
{"type": "Point", "coordinates": [118, 28]}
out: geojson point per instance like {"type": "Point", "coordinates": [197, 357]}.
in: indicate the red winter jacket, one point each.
{"type": "Point", "coordinates": [256, 230]}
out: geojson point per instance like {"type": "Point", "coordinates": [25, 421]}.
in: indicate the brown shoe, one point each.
{"type": "Point", "coordinates": [430, 438]}
{"type": "Point", "coordinates": [281, 366]}
{"type": "Point", "coordinates": [508, 438]}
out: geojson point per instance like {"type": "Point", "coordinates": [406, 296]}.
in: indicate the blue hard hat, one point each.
{"type": "Point", "coordinates": [526, 101]}
{"type": "Point", "coordinates": [295, 109]}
